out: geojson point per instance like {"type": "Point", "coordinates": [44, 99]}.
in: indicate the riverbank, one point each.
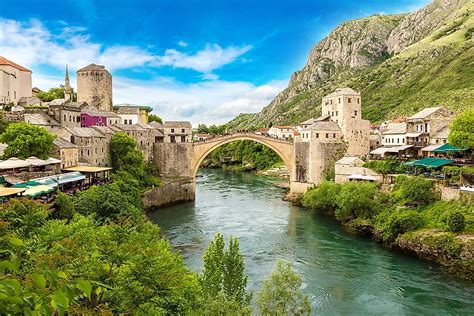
{"type": "Point", "coordinates": [436, 231]}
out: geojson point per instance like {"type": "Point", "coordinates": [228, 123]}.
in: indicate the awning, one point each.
{"type": "Point", "coordinates": [38, 190]}
{"type": "Point", "coordinates": [13, 163]}
{"type": "Point", "coordinates": [447, 148]}
{"type": "Point", "coordinates": [413, 134]}
{"type": "Point", "coordinates": [53, 181]}
{"type": "Point", "coordinates": [399, 148]}
{"type": "Point", "coordinates": [88, 169]}
{"type": "Point", "coordinates": [10, 191]}
{"type": "Point", "coordinates": [431, 147]}
{"type": "Point", "coordinates": [361, 177]}
{"type": "Point", "coordinates": [35, 161]}
{"type": "Point", "coordinates": [379, 151]}
{"type": "Point", "coordinates": [467, 189]}
{"type": "Point", "coordinates": [429, 162]}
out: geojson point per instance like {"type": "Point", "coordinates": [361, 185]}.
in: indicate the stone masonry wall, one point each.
{"type": "Point", "coordinates": [95, 88]}
{"type": "Point", "coordinates": [177, 190]}
{"type": "Point", "coordinates": [174, 159]}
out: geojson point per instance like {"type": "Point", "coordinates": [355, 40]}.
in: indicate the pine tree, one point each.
{"type": "Point", "coordinates": [235, 280]}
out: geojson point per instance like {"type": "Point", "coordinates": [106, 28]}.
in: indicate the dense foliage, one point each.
{"type": "Point", "coordinates": [26, 140]}
{"type": "Point", "coordinates": [154, 118]}
{"type": "Point", "coordinates": [461, 131]}
{"type": "Point", "coordinates": [389, 165]}
{"type": "Point", "coordinates": [55, 93]}
{"type": "Point", "coordinates": [281, 293]}
{"type": "Point", "coordinates": [244, 154]}
{"type": "Point", "coordinates": [411, 204]}
{"type": "Point", "coordinates": [212, 130]}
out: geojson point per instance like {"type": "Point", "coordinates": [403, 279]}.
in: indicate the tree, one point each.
{"type": "Point", "coordinates": [357, 199]}
{"type": "Point", "coordinates": [461, 131]}
{"type": "Point", "coordinates": [223, 280]}
{"type": "Point", "coordinates": [413, 190]}
{"type": "Point", "coordinates": [63, 206]}
{"type": "Point", "coordinates": [124, 155]}
{"type": "Point", "coordinates": [154, 118]}
{"type": "Point", "coordinates": [26, 140]}
{"type": "Point", "coordinates": [55, 93]}
{"type": "Point", "coordinates": [281, 293]}
{"type": "Point", "coordinates": [23, 216]}
{"type": "Point", "coordinates": [322, 198]}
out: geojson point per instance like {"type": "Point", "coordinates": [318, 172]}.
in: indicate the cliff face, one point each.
{"type": "Point", "coordinates": [385, 57]}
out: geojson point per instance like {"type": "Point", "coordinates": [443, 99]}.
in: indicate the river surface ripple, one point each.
{"type": "Point", "coordinates": [342, 274]}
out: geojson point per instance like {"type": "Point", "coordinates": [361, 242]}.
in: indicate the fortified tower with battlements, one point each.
{"type": "Point", "coordinates": [94, 86]}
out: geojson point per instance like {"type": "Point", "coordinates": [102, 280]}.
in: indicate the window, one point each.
{"type": "Point", "coordinates": [183, 139]}
{"type": "Point", "coordinates": [426, 127]}
{"type": "Point", "coordinates": [317, 135]}
{"type": "Point", "coordinates": [327, 135]}
{"type": "Point", "coordinates": [64, 117]}
{"type": "Point", "coordinates": [172, 130]}
{"type": "Point", "coordinates": [182, 130]}
{"type": "Point", "coordinates": [337, 112]}
{"type": "Point", "coordinates": [355, 113]}
{"type": "Point", "coordinates": [173, 139]}
{"type": "Point", "coordinates": [334, 135]}
{"type": "Point", "coordinates": [329, 112]}
{"type": "Point", "coordinates": [14, 94]}
{"type": "Point", "coordinates": [348, 100]}
{"type": "Point", "coordinates": [398, 140]}
{"type": "Point", "coordinates": [339, 100]}
{"type": "Point", "coordinates": [358, 100]}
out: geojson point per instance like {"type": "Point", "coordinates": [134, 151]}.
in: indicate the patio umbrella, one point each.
{"type": "Point", "coordinates": [446, 148]}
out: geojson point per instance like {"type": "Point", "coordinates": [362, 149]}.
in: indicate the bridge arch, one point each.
{"type": "Point", "coordinates": [283, 148]}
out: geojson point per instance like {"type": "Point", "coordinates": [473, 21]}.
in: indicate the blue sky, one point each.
{"type": "Point", "coordinates": [203, 61]}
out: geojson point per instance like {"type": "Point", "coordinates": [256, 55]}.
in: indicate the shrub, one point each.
{"type": "Point", "coordinates": [23, 216]}
{"type": "Point", "coordinates": [63, 207]}
{"type": "Point", "coordinates": [400, 222]}
{"type": "Point", "coordinates": [456, 221]}
{"type": "Point", "coordinates": [413, 190]}
{"type": "Point", "coordinates": [322, 198]}
{"type": "Point", "coordinates": [357, 199]}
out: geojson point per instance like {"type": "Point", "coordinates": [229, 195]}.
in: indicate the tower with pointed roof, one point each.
{"type": "Point", "coordinates": [67, 88]}
{"type": "Point", "coordinates": [94, 86]}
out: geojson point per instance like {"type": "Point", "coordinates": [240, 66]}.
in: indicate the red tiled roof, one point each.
{"type": "Point", "coordinates": [4, 61]}
{"type": "Point", "coordinates": [283, 126]}
{"type": "Point", "coordinates": [263, 130]}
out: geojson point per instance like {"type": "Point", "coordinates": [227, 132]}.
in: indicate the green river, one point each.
{"type": "Point", "coordinates": [342, 274]}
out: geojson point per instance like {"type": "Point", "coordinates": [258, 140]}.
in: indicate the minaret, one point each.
{"type": "Point", "coordinates": [67, 88]}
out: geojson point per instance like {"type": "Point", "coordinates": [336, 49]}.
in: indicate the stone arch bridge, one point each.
{"type": "Point", "coordinates": [306, 161]}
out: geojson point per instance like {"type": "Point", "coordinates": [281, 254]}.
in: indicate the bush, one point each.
{"type": "Point", "coordinates": [322, 198]}
{"type": "Point", "coordinates": [357, 199]}
{"type": "Point", "coordinates": [63, 207]}
{"type": "Point", "coordinates": [400, 222]}
{"type": "Point", "coordinates": [456, 221]}
{"type": "Point", "coordinates": [23, 216]}
{"type": "Point", "coordinates": [413, 190]}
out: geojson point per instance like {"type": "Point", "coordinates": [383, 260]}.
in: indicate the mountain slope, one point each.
{"type": "Point", "coordinates": [400, 63]}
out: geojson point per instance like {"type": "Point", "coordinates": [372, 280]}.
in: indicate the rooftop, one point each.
{"type": "Point", "coordinates": [85, 132]}
{"type": "Point", "coordinates": [126, 127]}
{"type": "Point", "coordinates": [342, 91]}
{"type": "Point", "coordinates": [395, 128]}
{"type": "Point", "coordinates": [424, 113]}
{"type": "Point", "coordinates": [40, 119]}
{"type": "Point", "coordinates": [186, 124]}
{"type": "Point", "coordinates": [88, 169]}
{"type": "Point", "coordinates": [323, 126]}
{"type": "Point", "coordinates": [62, 143]}
{"type": "Point", "coordinates": [133, 106]}
{"type": "Point", "coordinates": [93, 67]}
{"type": "Point", "coordinates": [348, 160]}
{"type": "Point", "coordinates": [4, 61]}
{"type": "Point", "coordinates": [155, 124]}
{"type": "Point", "coordinates": [93, 111]}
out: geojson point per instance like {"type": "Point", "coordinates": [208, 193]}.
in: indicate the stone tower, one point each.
{"type": "Point", "coordinates": [67, 88]}
{"type": "Point", "coordinates": [94, 86]}
{"type": "Point", "coordinates": [343, 107]}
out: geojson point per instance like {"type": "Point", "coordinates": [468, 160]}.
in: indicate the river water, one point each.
{"type": "Point", "coordinates": [342, 274]}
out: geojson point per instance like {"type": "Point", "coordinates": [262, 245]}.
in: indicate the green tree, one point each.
{"type": "Point", "coordinates": [357, 199]}
{"type": "Point", "coordinates": [281, 293]}
{"type": "Point", "coordinates": [26, 140]}
{"type": "Point", "coordinates": [223, 280]}
{"type": "Point", "coordinates": [55, 93]}
{"type": "Point", "coordinates": [125, 156]}
{"type": "Point", "coordinates": [155, 118]}
{"type": "Point", "coordinates": [63, 206]}
{"type": "Point", "coordinates": [3, 124]}
{"type": "Point", "coordinates": [461, 131]}
{"type": "Point", "coordinates": [322, 198]}
{"type": "Point", "coordinates": [23, 216]}
{"type": "Point", "coordinates": [212, 276]}
{"type": "Point", "coordinates": [413, 190]}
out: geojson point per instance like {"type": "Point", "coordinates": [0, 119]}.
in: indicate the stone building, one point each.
{"type": "Point", "coordinates": [350, 166]}
{"type": "Point", "coordinates": [425, 123]}
{"type": "Point", "coordinates": [91, 116]}
{"type": "Point", "coordinates": [143, 134]}
{"type": "Point", "coordinates": [158, 131]}
{"type": "Point", "coordinates": [177, 132]}
{"type": "Point", "coordinates": [343, 106]}
{"type": "Point", "coordinates": [15, 82]}
{"type": "Point", "coordinates": [93, 146]}
{"type": "Point", "coordinates": [94, 86]}
{"type": "Point", "coordinates": [132, 114]}
{"type": "Point", "coordinates": [66, 151]}
{"type": "Point", "coordinates": [394, 134]}
{"type": "Point", "coordinates": [440, 137]}
{"type": "Point", "coordinates": [281, 131]}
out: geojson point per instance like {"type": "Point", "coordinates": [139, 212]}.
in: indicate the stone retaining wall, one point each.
{"type": "Point", "coordinates": [172, 191]}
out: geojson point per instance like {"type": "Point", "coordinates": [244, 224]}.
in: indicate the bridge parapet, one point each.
{"type": "Point", "coordinates": [243, 135]}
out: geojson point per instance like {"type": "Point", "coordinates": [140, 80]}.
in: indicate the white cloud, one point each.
{"type": "Point", "coordinates": [210, 58]}
{"type": "Point", "coordinates": [34, 44]}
